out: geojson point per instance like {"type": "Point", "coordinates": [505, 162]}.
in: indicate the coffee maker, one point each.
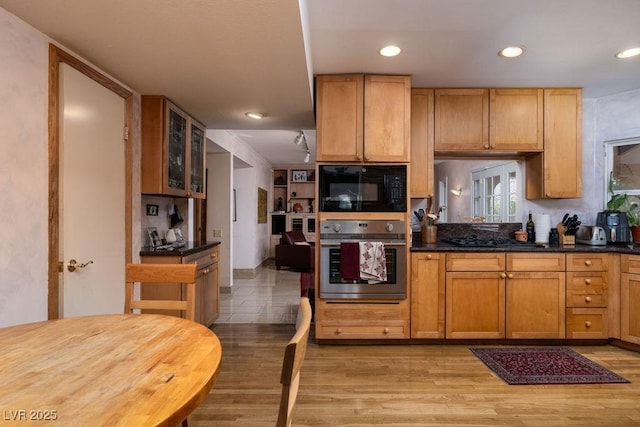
{"type": "Point", "coordinates": [615, 225]}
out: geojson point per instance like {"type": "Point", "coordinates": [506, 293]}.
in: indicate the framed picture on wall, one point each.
{"type": "Point", "coordinates": [299, 176]}
{"type": "Point", "coordinates": [262, 205]}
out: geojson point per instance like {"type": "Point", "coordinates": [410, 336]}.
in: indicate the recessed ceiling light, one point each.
{"type": "Point", "coordinates": [511, 51]}
{"type": "Point", "coordinates": [628, 53]}
{"type": "Point", "coordinates": [390, 51]}
{"type": "Point", "coordinates": [256, 116]}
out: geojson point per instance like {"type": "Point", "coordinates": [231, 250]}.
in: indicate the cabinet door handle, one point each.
{"type": "Point", "coordinates": [510, 275]}
{"type": "Point", "coordinates": [503, 275]}
{"type": "Point", "coordinates": [429, 256]}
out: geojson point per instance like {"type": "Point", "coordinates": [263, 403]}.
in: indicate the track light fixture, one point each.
{"type": "Point", "coordinates": [300, 138]}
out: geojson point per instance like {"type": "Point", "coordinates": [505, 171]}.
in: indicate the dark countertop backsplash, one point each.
{"type": "Point", "coordinates": [482, 230]}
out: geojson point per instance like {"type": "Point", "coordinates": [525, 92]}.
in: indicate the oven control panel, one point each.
{"type": "Point", "coordinates": [357, 229]}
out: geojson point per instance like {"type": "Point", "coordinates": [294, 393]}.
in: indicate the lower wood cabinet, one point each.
{"type": "Point", "coordinates": [427, 294]}
{"type": "Point", "coordinates": [362, 319]}
{"type": "Point", "coordinates": [498, 295]}
{"type": "Point", "coordinates": [630, 298]}
{"type": "Point", "coordinates": [475, 304]}
{"type": "Point", "coordinates": [535, 305]}
{"type": "Point", "coordinates": [207, 284]}
{"type": "Point", "coordinates": [587, 295]}
{"type": "Point", "coordinates": [535, 295]}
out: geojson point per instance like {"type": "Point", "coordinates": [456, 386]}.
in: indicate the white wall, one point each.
{"type": "Point", "coordinates": [23, 172]}
{"type": "Point", "coordinates": [219, 209]}
{"type": "Point", "coordinates": [24, 181]}
{"type": "Point", "coordinates": [250, 240]}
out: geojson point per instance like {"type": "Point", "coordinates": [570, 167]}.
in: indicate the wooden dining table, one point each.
{"type": "Point", "coordinates": [106, 370]}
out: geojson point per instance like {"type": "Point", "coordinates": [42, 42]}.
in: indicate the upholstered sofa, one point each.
{"type": "Point", "coordinates": [295, 252]}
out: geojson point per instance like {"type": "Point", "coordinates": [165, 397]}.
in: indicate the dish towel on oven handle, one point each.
{"type": "Point", "coordinates": [373, 264]}
{"type": "Point", "coordinates": [350, 261]}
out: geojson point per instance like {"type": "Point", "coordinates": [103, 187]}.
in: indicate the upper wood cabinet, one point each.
{"type": "Point", "coordinates": [489, 119]}
{"type": "Point", "coordinates": [363, 118]}
{"type": "Point", "coordinates": [173, 150]}
{"type": "Point", "coordinates": [557, 172]}
{"type": "Point", "coordinates": [461, 119]}
{"type": "Point", "coordinates": [421, 171]}
{"type": "Point", "coordinates": [516, 119]}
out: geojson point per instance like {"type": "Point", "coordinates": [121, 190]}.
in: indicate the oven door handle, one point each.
{"type": "Point", "coordinates": [337, 244]}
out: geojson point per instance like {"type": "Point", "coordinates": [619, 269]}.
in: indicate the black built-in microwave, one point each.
{"type": "Point", "coordinates": [363, 188]}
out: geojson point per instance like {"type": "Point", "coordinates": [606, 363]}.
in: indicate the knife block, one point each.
{"type": "Point", "coordinates": [564, 239]}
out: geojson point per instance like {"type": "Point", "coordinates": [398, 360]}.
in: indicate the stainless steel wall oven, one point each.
{"type": "Point", "coordinates": [391, 233]}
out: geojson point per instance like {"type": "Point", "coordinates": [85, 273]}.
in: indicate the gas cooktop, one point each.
{"type": "Point", "coordinates": [476, 242]}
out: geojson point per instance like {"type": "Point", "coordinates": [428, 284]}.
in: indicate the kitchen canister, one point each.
{"type": "Point", "coordinates": [543, 227]}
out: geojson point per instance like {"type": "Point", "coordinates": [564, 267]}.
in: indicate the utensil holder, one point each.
{"type": "Point", "coordinates": [429, 234]}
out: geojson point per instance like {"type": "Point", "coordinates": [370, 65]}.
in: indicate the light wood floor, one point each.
{"type": "Point", "coordinates": [404, 385]}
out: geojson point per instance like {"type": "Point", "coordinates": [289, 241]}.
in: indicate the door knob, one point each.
{"type": "Point", "coordinates": [74, 265]}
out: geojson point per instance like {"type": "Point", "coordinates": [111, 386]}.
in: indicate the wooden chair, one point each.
{"type": "Point", "coordinates": [161, 274]}
{"type": "Point", "coordinates": [293, 357]}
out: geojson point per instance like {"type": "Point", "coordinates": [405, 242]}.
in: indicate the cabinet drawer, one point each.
{"type": "Point", "coordinates": [391, 330]}
{"type": "Point", "coordinates": [203, 259]}
{"type": "Point", "coordinates": [362, 319]}
{"type": "Point", "coordinates": [587, 323]}
{"type": "Point", "coordinates": [476, 262]}
{"type": "Point", "coordinates": [535, 262]}
{"type": "Point", "coordinates": [630, 264]}
{"type": "Point", "coordinates": [594, 297]}
{"type": "Point", "coordinates": [587, 262]}
{"type": "Point", "coordinates": [586, 280]}
{"type": "Point", "coordinates": [215, 254]}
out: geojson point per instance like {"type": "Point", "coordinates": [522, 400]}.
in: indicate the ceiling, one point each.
{"type": "Point", "coordinates": [218, 59]}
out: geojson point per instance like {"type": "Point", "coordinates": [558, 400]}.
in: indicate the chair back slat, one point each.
{"type": "Point", "coordinates": [161, 274]}
{"type": "Point", "coordinates": [292, 363]}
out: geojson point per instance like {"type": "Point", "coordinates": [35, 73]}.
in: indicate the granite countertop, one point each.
{"type": "Point", "coordinates": [188, 249]}
{"type": "Point", "coordinates": [503, 231]}
{"type": "Point", "coordinates": [448, 247]}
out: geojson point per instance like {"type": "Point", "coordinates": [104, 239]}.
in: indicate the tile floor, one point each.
{"type": "Point", "coordinates": [271, 297]}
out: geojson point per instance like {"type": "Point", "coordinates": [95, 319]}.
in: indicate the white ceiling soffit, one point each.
{"type": "Point", "coordinates": [218, 59]}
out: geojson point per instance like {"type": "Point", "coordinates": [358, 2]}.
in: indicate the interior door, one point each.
{"type": "Point", "coordinates": [92, 196]}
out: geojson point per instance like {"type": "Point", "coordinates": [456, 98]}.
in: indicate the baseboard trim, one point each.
{"type": "Point", "coordinates": [244, 273]}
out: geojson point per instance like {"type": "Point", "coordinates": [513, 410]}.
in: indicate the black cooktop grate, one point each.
{"type": "Point", "coordinates": [476, 242]}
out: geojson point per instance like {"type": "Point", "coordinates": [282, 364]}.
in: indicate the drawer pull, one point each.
{"type": "Point", "coordinates": [429, 256]}
{"type": "Point", "coordinates": [386, 331]}
{"type": "Point", "coordinates": [503, 275]}
{"type": "Point", "coordinates": [587, 299]}
{"type": "Point", "coordinates": [338, 331]}
{"type": "Point", "coordinates": [587, 324]}
{"type": "Point", "coordinates": [587, 281]}
{"type": "Point", "coordinates": [510, 275]}
{"type": "Point", "coordinates": [588, 263]}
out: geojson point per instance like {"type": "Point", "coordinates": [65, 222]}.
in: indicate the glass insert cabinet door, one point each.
{"type": "Point", "coordinates": [197, 159]}
{"type": "Point", "coordinates": [177, 145]}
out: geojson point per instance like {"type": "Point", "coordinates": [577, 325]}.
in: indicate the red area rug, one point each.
{"type": "Point", "coordinates": [544, 365]}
